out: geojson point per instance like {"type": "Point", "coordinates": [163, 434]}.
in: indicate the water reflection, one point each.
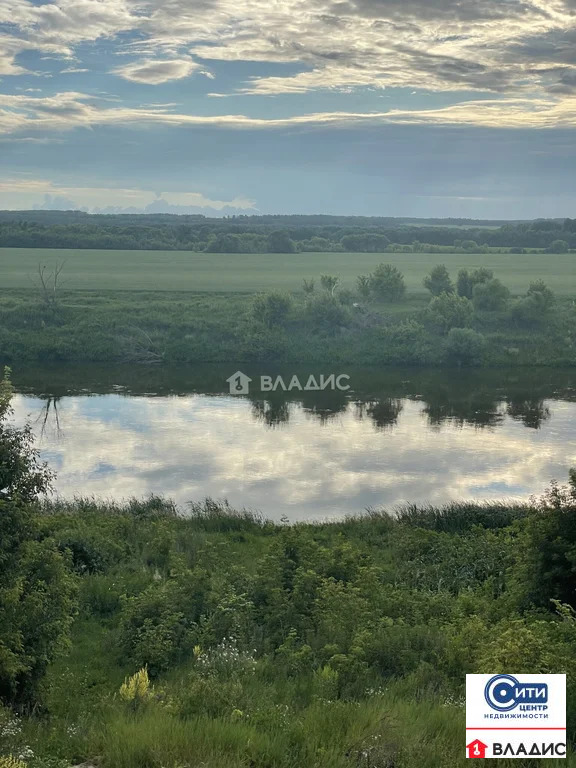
{"type": "Point", "coordinates": [397, 436]}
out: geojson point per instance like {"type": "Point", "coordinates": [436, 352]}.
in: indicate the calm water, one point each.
{"type": "Point", "coordinates": [396, 436]}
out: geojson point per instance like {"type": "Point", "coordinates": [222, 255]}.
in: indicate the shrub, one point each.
{"type": "Point", "coordinates": [558, 246]}
{"type": "Point", "coordinates": [450, 311]}
{"type": "Point", "coordinates": [438, 281]}
{"type": "Point", "coordinates": [272, 309]}
{"type": "Point", "coordinates": [387, 282]}
{"type": "Point", "coordinates": [136, 689]}
{"type": "Point", "coordinates": [465, 346]}
{"type": "Point", "coordinates": [363, 284]}
{"type": "Point", "coordinates": [490, 296]}
{"type": "Point", "coordinates": [536, 305]}
{"type": "Point", "coordinates": [326, 312]}
{"type": "Point", "coordinates": [467, 281]}
{"type": "Point", "coordinates": [329, 283]}
{"type": "Point", "coordinates": [345, 297]}
{"type": "Point", "coordinates": [37, 594]}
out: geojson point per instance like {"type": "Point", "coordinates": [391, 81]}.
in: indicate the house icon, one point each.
{"type": "Point", "coordinates": [476, 748]}
{"type": "Point", "coordinates": [239, 383]}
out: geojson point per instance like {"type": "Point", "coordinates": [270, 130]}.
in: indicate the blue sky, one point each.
{"type": "Point", "coordinates": [375, 107]}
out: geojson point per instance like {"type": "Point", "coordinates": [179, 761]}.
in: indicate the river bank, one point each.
{"type": "Point", "coordinates": [325, 645]}
{"type": "Point", "coordinates": [163, 328]}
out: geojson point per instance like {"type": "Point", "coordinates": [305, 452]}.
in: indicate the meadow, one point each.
{"type": "Point", "coordinates": [100, 270]}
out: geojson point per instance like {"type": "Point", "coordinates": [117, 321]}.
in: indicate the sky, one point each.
{"type": "Point", "coordinates": [420, 108]}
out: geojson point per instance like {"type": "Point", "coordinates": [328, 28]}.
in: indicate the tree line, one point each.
{"type": "Point", "coordinates": [262, 234]}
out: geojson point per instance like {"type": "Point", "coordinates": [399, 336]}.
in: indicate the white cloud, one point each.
{"type": "Point", "coordinates": [518, 49]}
{"type": "Point", "coordinates": [154, 72]}
{"type": "Point", "coordinates": [66, 111]}
{"type": "Point", "coordinates": [22, 193]}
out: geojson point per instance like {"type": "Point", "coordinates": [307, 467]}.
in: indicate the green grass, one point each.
{"type": "Point", "coordinates": [185, 271]}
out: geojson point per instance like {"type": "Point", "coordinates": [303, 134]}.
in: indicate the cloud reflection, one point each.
{"type": "Point", "coordinates": [189, 447]}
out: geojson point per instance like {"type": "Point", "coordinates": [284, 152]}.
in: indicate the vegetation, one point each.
{"type": "Point", "coordinates": [218, 638]}
{"type": "Point", "coordinates": [135, 636]}
{"type": "Point", "coordinates": [279, 234]}
{"type": "Point", "coordinates": [377, 323]}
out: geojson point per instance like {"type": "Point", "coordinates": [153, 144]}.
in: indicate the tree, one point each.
{"type": "Point", "coordinates": [49, 284]}
{"type": "Point", "coordinates": [558, 246]}
{"type": "Point", "coordinates": [465, 346]}
{"type": "Point", "coordinates": [365, 242]}
{"type": "Point", "coordinates": [272, 309]}
{"type": "Point", "coordinates": [490, 296]}
{"type": "Point", "coordinates": [37, 592]}
{"type": "Point", "coordinates": [450, 311]}
{"type": "Point", "coordinates": [387, 282]}
{"type": "Point", "coordinates": [280, 242]}
{"type": "Point", "coordinates": [536, 305]}
{"type": "Point", "coordinates": [467, 281]}
{"type": "Point", "coordinates": [438, 281]}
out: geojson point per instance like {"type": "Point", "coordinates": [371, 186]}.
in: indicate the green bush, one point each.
{"type": "Point", "coordinates": [438, 281]}
{"type": "Point", "coordinates": [465, 346]}
{"type": "Point", "coordinates": [272, 309]}
{"type": "Point", "coordinates": [387, 282]}
{"type": "Point", "coordinates": [490, 296]}
{"type": "Point", "coordinates": [450, 311]}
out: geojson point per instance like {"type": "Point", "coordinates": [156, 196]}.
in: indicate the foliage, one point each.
{"type": "Point", "coordinates": [468, 281]}
{"type": "Point", "coordinates": [465, 346]}
{"type": "Point", "coordinates": [363, 285]}
{"type": "Point", "coordinates": [279, 241]}
{"type": "Point", "coordinates": [36, 591]}
{"type": "Point", "coordinates": [536, 305]}
{"type": "Point", "coordinates": [438, 281]}
{"type": "Point", "coordinates": [272, 309]}
{"type": "Point", "coordinates": [450, 311]}
{"type": "Point", "coordinates": [326, 312]}
{"type": "Point", "coordinates": [387, 282]}
{"type": "Point", "coordinates": [136, 689]}
{"type": "Point", "coordinates": [250, 234]}
{"type": "Point", "coordinates": [329, 283]}
{"type": "Point", "coordinates": [558, 246]}
{"type": "Point", "coordinates": [283, 646]}
{"type": "Point", "coordinates": [490, 296]}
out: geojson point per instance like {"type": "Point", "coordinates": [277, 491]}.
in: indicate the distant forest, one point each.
{"type": "Point", "coordinates": [278, 234]}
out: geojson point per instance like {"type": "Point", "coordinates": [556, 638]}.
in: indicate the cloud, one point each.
{"type": "Point", "coordinates": [520, 52]}
{"type": "Point", "coordinates": [430, 44]}
{"type": "Point", "coordinates": [156, 72]}
{"type": "Point", "coordinates": [24, 193]}
{"type": "Point", "coordinates": [69, 110]}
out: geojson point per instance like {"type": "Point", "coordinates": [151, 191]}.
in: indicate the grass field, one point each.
{"type": "Point", "coordinates": [185, 271]}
